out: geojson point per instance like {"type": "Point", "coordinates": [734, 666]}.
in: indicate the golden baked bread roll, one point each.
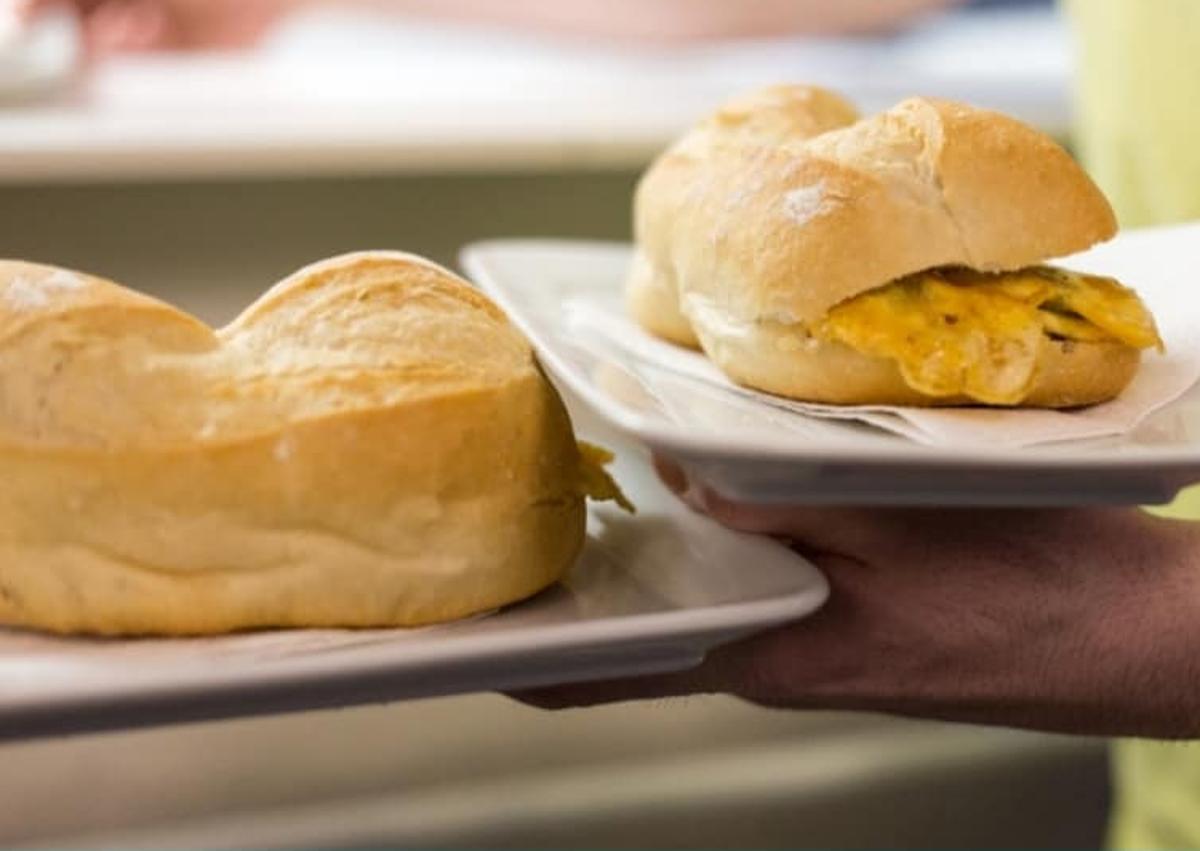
{"type": "Point", "coordinates": [370, 444]}
{"type": "Point", "coordinates": [664, 206]}
{"type": "Point", "coordinates": [891, 260]}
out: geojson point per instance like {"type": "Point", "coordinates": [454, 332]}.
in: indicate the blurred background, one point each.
{"type": "Point", "coordinates": [201, 150]}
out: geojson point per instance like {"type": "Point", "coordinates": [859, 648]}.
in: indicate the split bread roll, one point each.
{"type": "Point", "coordinates": [894, 259]}
{"type": "Point", "coordinates": [370, 444]}
{"type": "Point", "coordinates": [666, 195]}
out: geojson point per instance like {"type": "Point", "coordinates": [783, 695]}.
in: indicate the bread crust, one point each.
{"type": "Point", "coordinates": [371, 444]}
{"type": "Point", "coordinates": [681, 177]}
{"type": "Point", "coordinates": [786, 361]}
{"type": "Point", "coordinates": [781, 229]}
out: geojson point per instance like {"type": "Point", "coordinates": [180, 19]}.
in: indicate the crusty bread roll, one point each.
{"type": "Point", "coordinates": [745, 247]}
{"type": "Point", "coordinates": [370, 444]}
{"type": "Point", "coordinates": [666, 195]}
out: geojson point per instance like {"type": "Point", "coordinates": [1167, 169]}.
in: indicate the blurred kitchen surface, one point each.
{"type": "Point", "coordinates": [204, 178]}
{"type": "Point", "coordinates": [483, 772]}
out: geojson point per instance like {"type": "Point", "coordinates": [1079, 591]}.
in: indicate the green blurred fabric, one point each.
{"type": "Point", "coordinates": [1137, 118]}
{"type": "Point", "coordinates": [1138, 132]}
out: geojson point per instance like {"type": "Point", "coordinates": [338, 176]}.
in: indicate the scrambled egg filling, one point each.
{"type": "Point", "coordinates": [958, 332]}
{"type": "Point", "coordinates": [595, 482]}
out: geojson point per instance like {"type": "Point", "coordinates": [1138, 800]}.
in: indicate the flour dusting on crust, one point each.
{"type": "Point", "coordinates": [29, 293]}
{"type": "Point", "coordinates": [807, 203]}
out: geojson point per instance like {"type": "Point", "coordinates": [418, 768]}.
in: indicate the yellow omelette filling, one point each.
{"type": "Point", "coordinates": [958, 332]}
{"type": "Point", "coordinates": [595, 482]}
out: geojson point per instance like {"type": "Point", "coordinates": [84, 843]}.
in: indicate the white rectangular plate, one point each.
{"type": "Point", "coordinates": [749, 449]}
{"type": "Point", "coordinates": [650, 593]}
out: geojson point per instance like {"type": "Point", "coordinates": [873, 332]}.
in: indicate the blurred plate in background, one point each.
{"type": "Point", "coordinates": [335, 90]}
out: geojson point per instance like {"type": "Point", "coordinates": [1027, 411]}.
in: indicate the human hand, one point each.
{"type": "Point", "coordinates": [139, 25]}
{"type": "Point", "coordinates": [1084, 621]}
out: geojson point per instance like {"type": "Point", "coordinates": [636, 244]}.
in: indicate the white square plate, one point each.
{"type": "Point", "coordinates": [749, 449]}
{"type": "Point", "coordinates": [650, 593]}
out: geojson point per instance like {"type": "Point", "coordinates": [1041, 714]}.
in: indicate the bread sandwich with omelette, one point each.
{"type": "Point", "coordinates": [896, 259]}
{"type": "Point", "coordinates": [370, 444]}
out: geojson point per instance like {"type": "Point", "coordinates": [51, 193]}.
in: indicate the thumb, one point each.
{"type": "Point", "coordinates": [811, 529]}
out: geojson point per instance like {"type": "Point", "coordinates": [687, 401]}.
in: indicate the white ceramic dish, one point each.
{"type": "Point", "coordinates": [650, 593]}
{"type": "Point", "coordinates": [750, 449]}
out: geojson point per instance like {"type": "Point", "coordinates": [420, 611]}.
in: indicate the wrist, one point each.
{"type": "Point", "coordinates": [1149, 643]}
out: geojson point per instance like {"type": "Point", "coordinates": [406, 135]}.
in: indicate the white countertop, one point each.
{"type": "Point", "coordinates": [339, 93]}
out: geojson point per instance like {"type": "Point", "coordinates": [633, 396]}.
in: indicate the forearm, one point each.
{"type": "Point", "coordinates": [1102, 637]}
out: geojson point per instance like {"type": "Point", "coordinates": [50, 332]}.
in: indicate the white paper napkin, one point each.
{"type": "Point", "coordinates": [1163, 265]}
